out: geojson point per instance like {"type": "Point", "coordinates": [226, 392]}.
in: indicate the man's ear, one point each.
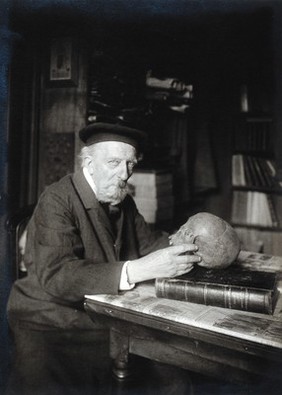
{"type": "Point", "coordinates": [89, 165]}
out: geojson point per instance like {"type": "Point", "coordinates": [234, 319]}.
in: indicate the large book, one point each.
{"type": "Point", "coordinates": [233, 288]}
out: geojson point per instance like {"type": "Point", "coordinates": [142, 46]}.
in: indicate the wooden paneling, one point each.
{"type": "Point", "coordinates": [63, 112]}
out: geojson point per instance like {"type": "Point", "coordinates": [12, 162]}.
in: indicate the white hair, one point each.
{"type": "Point", "coordinates": [86, 153]}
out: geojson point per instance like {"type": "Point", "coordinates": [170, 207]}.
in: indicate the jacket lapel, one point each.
{"type": "Point", "coordinates": [98, 218]}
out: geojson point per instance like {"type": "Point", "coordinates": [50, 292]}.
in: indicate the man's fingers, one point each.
{"type": "Point", "coordinates": [182, 248]}
{"type": "Point", "coordinates": [188, 259]}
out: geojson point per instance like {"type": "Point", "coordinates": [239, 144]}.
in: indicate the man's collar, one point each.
{"type": "Point", "coordinates": [89, 180]}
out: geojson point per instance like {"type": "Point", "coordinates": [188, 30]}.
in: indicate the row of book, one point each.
{"type": "Point", "coordinates": [256, 192]}
{"type": "Point", "coordinates": [252, 171]}
{"type": "Point", "coordinates": [254, 135]}
{"type": "Point", "coordinates": [152, 191]}
{"type": "Point", "coordinates": [254, 208]}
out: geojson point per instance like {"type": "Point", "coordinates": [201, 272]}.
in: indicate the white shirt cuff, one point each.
{"type": "Point", "coordinates": [124, 285]}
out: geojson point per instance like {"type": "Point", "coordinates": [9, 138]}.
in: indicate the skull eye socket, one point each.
{"type": "Point", "coordinates": [186, 232]}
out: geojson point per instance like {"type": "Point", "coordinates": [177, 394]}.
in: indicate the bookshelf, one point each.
{"type": "Point", "coordinates": [256, 211]}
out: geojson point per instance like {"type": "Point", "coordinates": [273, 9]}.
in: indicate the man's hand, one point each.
{"type": "Point", "coordinates": [168, 262]}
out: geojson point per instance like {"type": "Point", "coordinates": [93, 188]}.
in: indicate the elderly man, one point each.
{"type": "Point", "coordinates": [76, 246]}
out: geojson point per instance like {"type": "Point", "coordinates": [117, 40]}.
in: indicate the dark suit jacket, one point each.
{"type": "Point", "coordinates": [71, 251]}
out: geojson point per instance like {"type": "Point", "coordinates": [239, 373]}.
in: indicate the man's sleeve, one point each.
{"type": "Point", "coordinates": [56, 256]}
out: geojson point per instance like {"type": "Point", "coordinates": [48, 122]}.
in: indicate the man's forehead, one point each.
{"type": "Point", "coordinates": [114, 148]}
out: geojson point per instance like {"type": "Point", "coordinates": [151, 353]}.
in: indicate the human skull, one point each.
{"type": "Point", "coordinates": [217, 241]}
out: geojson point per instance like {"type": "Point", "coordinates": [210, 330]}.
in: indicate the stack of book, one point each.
{"type": "Point", "coordinates": [233, 288]}
{"type": "Point", "coordinates": [254, 182]}
{"type": "Point", "coordinates": [254, 172]}
{"type": "Point", "coordinates": [152, 191]}
{"type": "Point", "coordinates": [254, 134]}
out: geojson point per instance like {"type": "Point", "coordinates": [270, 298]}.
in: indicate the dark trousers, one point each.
{"type": "Point", "coordinates": [59, 362]}
{"type": "Point", "coordinates": [78, 363]}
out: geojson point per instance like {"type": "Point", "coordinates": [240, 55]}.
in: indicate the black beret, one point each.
{"type": "Point", "coordinates": [101, 131]}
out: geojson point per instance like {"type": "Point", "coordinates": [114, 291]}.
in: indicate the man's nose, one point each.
{"type": "Point", "coordinates": [123, 171]}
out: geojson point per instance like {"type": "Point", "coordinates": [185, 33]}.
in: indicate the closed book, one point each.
{"type": "Point", "coordinates": [255, 181]}
{"type": "Point", "coordinates": [268, 179]}
{"type": "Point", "coordinates": [248, 173]}
{"type": "Point", "coordinates": [238, 172]}
{"type": "Point", "coordinates": [258, 171]}
{"type": "Point", "coordinates": [233, 288]}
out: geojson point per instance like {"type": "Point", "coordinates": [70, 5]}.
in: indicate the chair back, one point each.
{"type": "Point", "coordinates": [16, 225]}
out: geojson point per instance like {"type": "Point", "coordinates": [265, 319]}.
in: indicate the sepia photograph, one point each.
{"type": "Point", "coordinates": [141, 197]}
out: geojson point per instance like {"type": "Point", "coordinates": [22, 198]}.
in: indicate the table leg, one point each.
{"type": "Point", "coordinates": [119, 349]}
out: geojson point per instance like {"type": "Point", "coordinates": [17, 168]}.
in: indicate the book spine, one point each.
{"type": "Point", "coordinates": [238, 172]}
{"type": "Point", "coordinates": [247, 171]}
{"type": "Point", "coordinates": [269, 182]}
{"type": "Point", "coordinates": [256, 180]}
{"type": "Point", "coordinates": [258, 171]}
{"type": "Point", "coordinates": [232, 297]}
{"type": "Point", "coordinates": [273, 214]}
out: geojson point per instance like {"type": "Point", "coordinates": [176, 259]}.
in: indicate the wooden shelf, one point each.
{"type": "Point", "coordinates": [257, 227]}
{"type": "Point", "coordinates": [251, 188]}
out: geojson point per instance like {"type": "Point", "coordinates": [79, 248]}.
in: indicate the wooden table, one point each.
{"type": "Point", "coordinates": [224, 343]}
